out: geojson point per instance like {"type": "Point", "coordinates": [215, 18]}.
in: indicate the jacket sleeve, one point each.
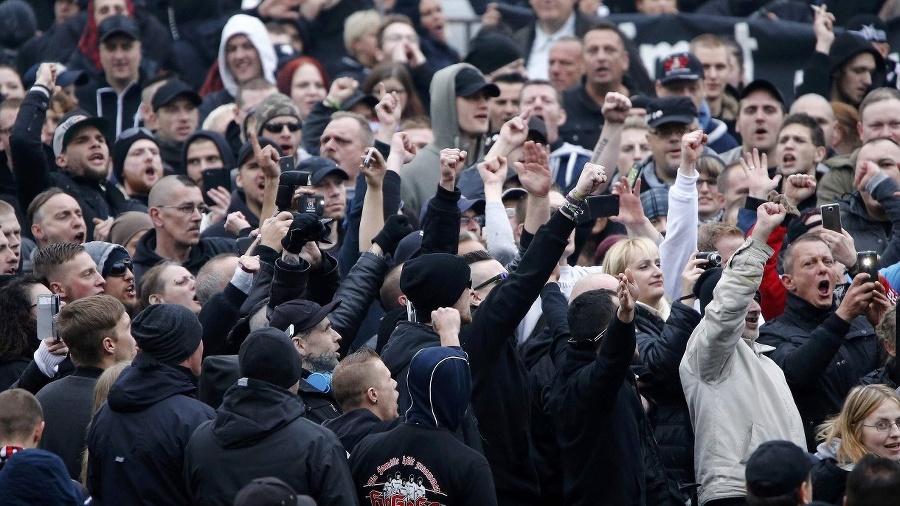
{"type": "Point", "coordinates": [662, 354]}
{"type": "Point", "coordinates": [324, 281]}
{"type": "Point", "coordinates": [314, 125]}
{"type": "Point", "coordinates": [218, 316]}
{"type": "Point", "coordinates": [501, 243]}
{"type": "Point", "coordinates": [556, 314]}
{"type": "Point", "coordinates": [440, 226]}
{"type": "Point", "coordinates": [883, 188]}
{"type": "Point", "coordinates": [390, 194]}
{"type": "Point", "coordinates": [356, 293]}
{"type": "Point", "coordinates": [598, 383]}
{"type": "Point", "coordinates": [332, 483]}
{"type": "Point", "coordinates": [713, 342]}
{"type": "Point", "coordinates": [804, 363]}
{"type": "Point", "coordinates": [495, 321]}
{"type": "Point", "coordinates": [31, 169]}
{"type": "Point", "coordinates": [774, 294]}
{"type": "Point", "coordinates": [815, 76]}
{"type": "Point", "coordinates": [681, 232]}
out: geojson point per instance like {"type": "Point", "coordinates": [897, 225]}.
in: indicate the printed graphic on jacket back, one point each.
{"type": "Point", "coordinates": [404, 482]}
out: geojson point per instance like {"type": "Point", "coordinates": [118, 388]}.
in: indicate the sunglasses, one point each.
{"type": "Point", "coordinates": [493, 279]}
{"type": "Point", "coordinates": [120, 268]}
{"type": "Point", "coordinates": [586, 344]}
{"type": "Point", "coordinates": [275, 127]}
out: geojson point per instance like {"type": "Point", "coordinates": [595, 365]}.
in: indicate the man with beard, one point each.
{"type": "Point", "coordinates": [176, 209]}
{"type": "Point", "coordinates": [137, 165]}
{"type": "Point", "coordinates": [81, 151]}
{"type": "Point", "coordinates": [114, 264]}
{"type": "Point", "coordinates": [307, 325]}
{"type": "Point", "coordinates": [176, 117]}
{"type": "Point", "coordinates": [55, 217]}
{"type": "Point", "coordinates": [822, 347]}
{"type": "Point", "coordinates": [722, 358]}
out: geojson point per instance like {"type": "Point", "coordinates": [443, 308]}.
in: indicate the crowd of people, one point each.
{"type": "Point", "coordinates": [303, 251]}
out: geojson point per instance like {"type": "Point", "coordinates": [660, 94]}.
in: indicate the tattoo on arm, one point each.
{"type": "Point", "coordinates": [598, 149]}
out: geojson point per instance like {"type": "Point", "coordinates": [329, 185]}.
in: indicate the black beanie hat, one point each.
{"type": "Point", "coordinates": [123, 144]}
{"type": "Point", "coordinates": [434, 280]}
{"type": "Point", "coordinates": [491, 51]}
{"type": "Point", "coordinates": [269, 355]}
{"type": "Point", "coordinates": [706, 283]}
{"type": "Point", "coordinates": [167, 332]}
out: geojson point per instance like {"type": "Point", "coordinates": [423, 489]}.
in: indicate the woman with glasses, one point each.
{"type": "Point", "coordinates": [868, 424]}
{"type": "Point", "coordinates": [395, 77]}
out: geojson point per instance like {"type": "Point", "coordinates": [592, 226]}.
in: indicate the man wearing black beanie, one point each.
{"type": "Point", "coordinates": [137, 439]}
{"type": "Point", "coordinates": [260, 430]}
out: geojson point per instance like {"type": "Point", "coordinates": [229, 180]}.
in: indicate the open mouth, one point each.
{"type": "Point", "coordinates": [287, 149]}
{"type": "Point", "coordinates": [752, 318]}
{"type": "Point", "coordinates": [97, 157]}
{"type": "Point", "coordinates": [893, 446]}
{"type": "Point", "coordinates": [824, 288]}
{"type": "Point", "coordinates": [78, 237]}
{"type": "Point", "coordinates": [130, 291]}
{"type": "Point", "coordinates": [789, 158]}
{"type": "Point", "coordinates": [150, 172]}
{"type": "Point", "coordinates": [760, 131]}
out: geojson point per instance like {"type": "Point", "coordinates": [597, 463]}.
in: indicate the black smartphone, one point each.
{"type": "Point", "coordinates": [47, 309]}
{"type": "Point", "coordinates": [868, 263]}
{"type": "Point", "coordinates": [831, 217]}
{"type": "Point", "coordinates": [214, 178]}
{"type": "Point", "coordinates": [603, 206]}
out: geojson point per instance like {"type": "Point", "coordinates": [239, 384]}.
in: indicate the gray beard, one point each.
{"type": "Point", "coordinates": [321, 363]}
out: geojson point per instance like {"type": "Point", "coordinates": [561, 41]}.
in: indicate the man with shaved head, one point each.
{"type": "Point", "coordinates": [176, 208]}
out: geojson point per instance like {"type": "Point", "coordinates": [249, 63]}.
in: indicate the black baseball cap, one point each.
{"type": "Point", "coordinates": [671, 110]}
{"type": "Point", "coordinates": [777, 468]}
{"type": "Point", "coordinates": [118, 25]}
{"type": "Point", "coordinates": [270, 491]}
{"type": "Point", "coordinates": [167, 93]}
{"type": "Point", "coordinates": [470, 81]}
{"type": "Point", "coordinates": [319, 167]}
{"type": "Point", "coordinates": [247, 149]}
{"type": "Point", "coordinates": [70, 123]}
{"type": "Point", "coordinates": [476, 205]}
{"type": "Point", "coordinates": [679, 67]}
{"type": "Point", "coordinates": [764, 85]}
{"type": "Point", "coordinates": [300, 315]}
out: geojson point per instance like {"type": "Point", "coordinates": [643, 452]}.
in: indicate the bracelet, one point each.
{"type": "Point", "coordinates": [333, 103]}
{"type": "Point", "coordinates": [573, 212]}
{"type": "Point", "coordinates": [574, 201]}
{"type": "Point", "coordinates": [574, 195]}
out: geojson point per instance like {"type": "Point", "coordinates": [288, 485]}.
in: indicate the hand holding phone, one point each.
{"type": "Point", "coordinates": [831, 217]}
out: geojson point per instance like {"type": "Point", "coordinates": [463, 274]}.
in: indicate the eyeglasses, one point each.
{"type": "Point", "coordinates": [275, 127]}
{"type": "Point", "coordinates": [884, 425]}
{"type": "Point", "coordinates": [670, 129]}
{"type": "Point", "coordinates": [493, 279]}
{"type": "Point", "coordinates": [120, 268]}
{"type": "Point", "coordinates": [710, 182]}
{"type": "Point", "coordinates": [588, 343]}
{"type": "Point", "coordinates": [189, 208]}
{"type": "Point", "coordinates": [464, 220]}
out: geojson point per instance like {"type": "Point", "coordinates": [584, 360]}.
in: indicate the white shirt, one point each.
{"type": "Point", "coordinates": [539, 59]}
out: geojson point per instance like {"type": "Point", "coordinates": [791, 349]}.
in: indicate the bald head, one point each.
{"type": "Point", "coordinates": [819, 109]}
{"type": "Point", "coordinates": [598, 281]}
{"type": "Point", "coordinates": [166, 187]}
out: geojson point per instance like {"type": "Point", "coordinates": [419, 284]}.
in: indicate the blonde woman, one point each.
{"type": "Point", "coordinates": [868, 424]}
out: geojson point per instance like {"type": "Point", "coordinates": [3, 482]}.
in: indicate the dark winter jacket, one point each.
{"type": "Point", "coordinates": [145, 257]}
{"type": "Point", "coordinates": [96, 199]}
{"type": "Point", "coordinates": [661, 346]}
{"type": "Point", "coordinates": [829, 481]}
{"type": "Point", "coordinates": [68, 407]}
{"type": "Point", "coordinates": [238, 203]}
{"type": "Point", "coordinates": [609, 454]}
{"type": "Point", "coordinates": [260, 431]}
{"type": "Point", "coordinates": [137, 440]}
{"type": "Point", "coordinates": [822, 357]}
{"type": "Point", "coordinates": [420, 459]}
{"type": "Point", "coordinates": [225, 151]}
{"type": "Point", "coordinates": [354, 425]}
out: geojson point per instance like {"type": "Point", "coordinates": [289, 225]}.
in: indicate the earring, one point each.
{"type": "Point", "coordinates": [375, 401]}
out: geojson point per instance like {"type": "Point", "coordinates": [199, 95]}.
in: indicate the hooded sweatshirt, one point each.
{"type": "Point", "coordinates": [421, 459]}
{"type": "Point", "coordinates": [228, 161]}
{"type": "Point", "coordinates": [136, 442]}
{"type": "Point", "coordinates": [260, 430]}
{"type": "Point", "coordinates": [421, 176]}
{"type": "Point", "coordinates": [253, 28]}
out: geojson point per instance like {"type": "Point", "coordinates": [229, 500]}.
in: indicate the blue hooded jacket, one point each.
{"type": "Point", "coordinates": [439, 387]}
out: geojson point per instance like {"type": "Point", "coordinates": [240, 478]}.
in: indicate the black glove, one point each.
{"type": "Point", "coordinates": [395, 229]}
{"type": "Point", "coordinates": [305, 228]}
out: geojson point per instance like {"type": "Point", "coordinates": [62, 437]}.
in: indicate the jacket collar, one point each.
{"type": "Point", "coordinates": [803, 310]}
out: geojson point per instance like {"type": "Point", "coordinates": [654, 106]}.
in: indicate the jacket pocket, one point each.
{"type": "Point", "coordinates": [753, 437]}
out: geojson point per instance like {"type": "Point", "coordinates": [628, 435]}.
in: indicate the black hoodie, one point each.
{"type": "Point", "coordinates": [137, 439]}
{"type": "Point", "coordinates": [421, 459]}
{"type": "Point", "coordinates": [228, 161]}
{"type": "Point", "coordinates": [259, 431]}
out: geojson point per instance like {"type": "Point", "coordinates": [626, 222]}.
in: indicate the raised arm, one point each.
{"type": "Point", "coordinates": [32, 171]}
{"type": "Point", "coordinates": [615, 110]}
{"type": "Point", "coordinates": [501, 242]}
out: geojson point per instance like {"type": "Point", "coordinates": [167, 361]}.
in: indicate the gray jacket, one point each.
{"type": "Point", "coordinates": [738, 398]}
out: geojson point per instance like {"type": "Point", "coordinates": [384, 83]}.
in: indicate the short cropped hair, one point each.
{"type": "Point", "coordinates": [48, 260]}
{"type": "Point", "coordinates": [788, 261]}
{"type": "Point", "coordinates": [20, 413]}
{"type": "Point", "coordinates": [352, 378]}
{"type": "Point", "coordinates": [365, 131]}
{"type": "Point", "coordinates": [356, 25]}
{"type": "Point", "coordinates": [815, 131]}
{"type": "Point", "coordinates": [33, 214]}
{"type": "Point", "coordinates": [152, 282]}
{"type": "Point", "coordinates": [84, 323]}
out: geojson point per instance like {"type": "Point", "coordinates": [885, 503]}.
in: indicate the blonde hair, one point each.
{"type": "Point", "coordinates": [847, 425]}
{"type": "Point", "coordinates": [357, 25]}
{"type": "Point", "coordinates": [101, 392]}
{"type": "Point", "coordinates": [623, 252]}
